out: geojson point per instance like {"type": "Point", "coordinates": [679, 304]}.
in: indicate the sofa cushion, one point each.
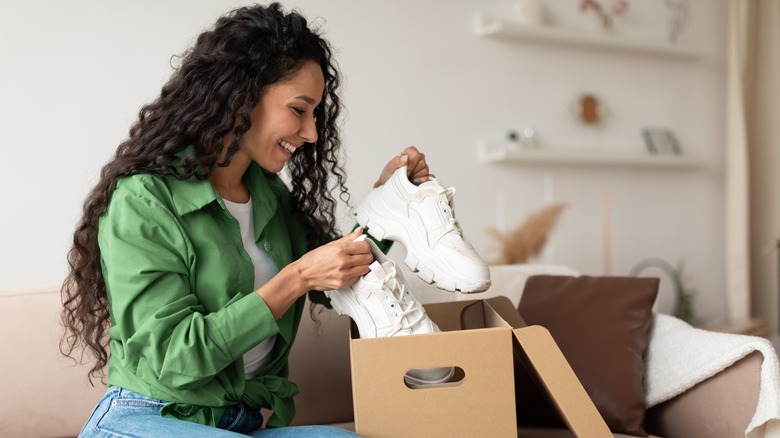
{"type": "Point", "coordinates": [45, 393]}
{"type": "Point", "coordinates": [601, 326]}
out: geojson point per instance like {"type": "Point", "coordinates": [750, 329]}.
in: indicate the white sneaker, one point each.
{"type": "Point", "coordinates": [422, 219]}
{"type": "Point", "coordinates": [382, 305]}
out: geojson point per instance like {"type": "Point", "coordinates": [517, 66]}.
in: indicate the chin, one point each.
{"type": "Point", "coordinates": [272, 167]}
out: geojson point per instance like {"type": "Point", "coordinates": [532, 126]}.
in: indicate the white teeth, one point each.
{"type": "Point", "coordinates": [287, 146]}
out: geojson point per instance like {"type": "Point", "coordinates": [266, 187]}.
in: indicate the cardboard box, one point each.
{"type": "Point", "coordinates": [481, 339]}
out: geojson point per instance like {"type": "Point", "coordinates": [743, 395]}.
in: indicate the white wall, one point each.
{"type": "Point", "coordinates": [75, 73]}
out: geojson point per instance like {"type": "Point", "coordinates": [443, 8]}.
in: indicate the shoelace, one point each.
{"type": "Point", "coordinates": [446, 201]}
{"type": "Point", "coordinates": [396, 298]}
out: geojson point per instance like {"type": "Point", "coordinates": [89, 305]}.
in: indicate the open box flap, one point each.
{"type": "Point", "coordinates": [448, 315]}
{"type": "Point", "coordinates": [475, 314]}
{"type": "Point", "coordinates": [504, 307]}
{"type": "Point", "coordinates": [548, 366]}
{"type": "Point", "coordinates": [545, 363]}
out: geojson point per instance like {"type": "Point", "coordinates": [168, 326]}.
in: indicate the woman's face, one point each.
{"type": "Point", "coordinates": [283, 120]}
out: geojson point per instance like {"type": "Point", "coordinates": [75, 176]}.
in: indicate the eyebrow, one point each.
{"type": "Point", "coordinates": [306, 99]}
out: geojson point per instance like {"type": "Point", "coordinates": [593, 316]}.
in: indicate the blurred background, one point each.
{"type": "Point", "coordinates": [517, 104]}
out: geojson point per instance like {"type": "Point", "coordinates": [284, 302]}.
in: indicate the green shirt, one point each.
{"type": "Point", "coordinates": [181, 295]}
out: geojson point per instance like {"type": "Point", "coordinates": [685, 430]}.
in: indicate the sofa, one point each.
{"type": "Point", "coordinates": [48, 395]}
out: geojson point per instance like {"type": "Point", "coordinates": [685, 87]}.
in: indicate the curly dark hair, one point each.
{"type": "Point", "coordinates": [211, 95]}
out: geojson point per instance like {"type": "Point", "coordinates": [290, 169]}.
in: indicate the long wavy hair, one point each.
{"type": "Point", "coordinates": [210, 96]}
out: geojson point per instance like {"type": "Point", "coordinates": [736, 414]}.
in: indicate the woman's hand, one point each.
{"type": "Point", "coordinates": [330, 267]}
{"type": "Point", "coordinates": [337, 264]}
{"type": "Point", "coordinates": [414, 160]}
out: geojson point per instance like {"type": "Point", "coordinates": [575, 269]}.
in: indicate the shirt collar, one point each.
{"type": "Point", "coordinates": [192, 194]}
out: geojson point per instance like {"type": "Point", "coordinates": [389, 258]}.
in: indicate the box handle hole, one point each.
{"type": "Point", "coordinates": [421, 378]}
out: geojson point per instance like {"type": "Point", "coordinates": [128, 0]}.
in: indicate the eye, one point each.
{"type": "Point", "coordinates": [298, 111]}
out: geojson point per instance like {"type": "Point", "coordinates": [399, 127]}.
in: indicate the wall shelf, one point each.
{"type": "Point", "coordinates": [485, 26]}
{"type": "Point", "coordinates": [496, 153]}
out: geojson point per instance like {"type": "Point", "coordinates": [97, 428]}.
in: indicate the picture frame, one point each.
{"type": "Point", "coordinates": [661, 141]}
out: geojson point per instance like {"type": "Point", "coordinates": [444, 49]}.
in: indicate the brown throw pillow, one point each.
{"type": "Point", "coordinates": [601, 326]}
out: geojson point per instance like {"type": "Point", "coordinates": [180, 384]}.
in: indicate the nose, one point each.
{"type": "Point", "coordinates": [309, 129]}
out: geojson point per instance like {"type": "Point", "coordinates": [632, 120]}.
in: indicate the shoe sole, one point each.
{"type": "Point", "coordinates": [363, 214]}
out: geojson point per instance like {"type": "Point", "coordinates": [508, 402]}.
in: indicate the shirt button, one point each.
{"type": "Point", "coordinates": [267, 246]}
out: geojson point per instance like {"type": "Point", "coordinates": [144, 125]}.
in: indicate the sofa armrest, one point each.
{"type": "Point", "coordinates": [37, 379]}
{"type": "Point", "coordinates": [722, 405]}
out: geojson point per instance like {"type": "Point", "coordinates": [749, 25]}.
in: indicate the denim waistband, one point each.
{"type": "Point", "coordinates": [119, 392]}
{"type": "Point", "coordinates": [237, 418]}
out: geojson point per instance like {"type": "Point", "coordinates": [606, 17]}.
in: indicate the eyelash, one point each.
{"type": "Point", "coordinates": [298, 111]}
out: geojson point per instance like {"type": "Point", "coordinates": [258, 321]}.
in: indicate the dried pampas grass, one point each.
{"type": "Point", "coordinates": [527, 240]}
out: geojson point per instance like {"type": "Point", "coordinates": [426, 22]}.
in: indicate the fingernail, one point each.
{"type": "Point", "coordinates": [404, 158]}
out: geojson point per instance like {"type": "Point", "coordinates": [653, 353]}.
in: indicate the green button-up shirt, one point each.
{"type": "Point", "coordinates": [181, 295]}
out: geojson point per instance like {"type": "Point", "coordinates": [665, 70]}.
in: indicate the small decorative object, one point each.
{"type": "Point", "coordinates": [680, 18]}
{"type": "Point", "coordinates": [525, 139]}
{"type": "Point", "coordinates": [512, 141]}
{"type": "Point", "coordinates": [528, 137]}
{"type": "Point", "coordinates": [589, 109]}
{"type": "Point", "coordinates": [683, 295]}
{"type": "Point", "coordinates": [661, 141]}
{"type": "Point", "coordinates": [530, 12]}
{"type": "Point", "coordinates": [619, 7]}
{"type": "Point", "coordinates": [527, 240]}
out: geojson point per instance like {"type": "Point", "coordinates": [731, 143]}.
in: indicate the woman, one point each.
{"type": "Point", "coordinates": [192, 260]}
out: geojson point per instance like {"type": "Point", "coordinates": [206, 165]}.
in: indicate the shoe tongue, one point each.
{"type": "Point", "coordinates": [383, 271]}
{"type": "Point", "coordinates": [380, 272]}
{"type": "Point", "coordinates": [377, 271]}
{"type": "Point", "coordinates": [433, 186]}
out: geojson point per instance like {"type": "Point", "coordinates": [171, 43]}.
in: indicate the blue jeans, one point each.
{"type": "Point", "coordinates": [123, 413]}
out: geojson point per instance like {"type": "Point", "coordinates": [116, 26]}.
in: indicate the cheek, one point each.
{"type": "Point", "coordinates": [260, 133]}
{"type": "Point", "coordinates": [276, 126]}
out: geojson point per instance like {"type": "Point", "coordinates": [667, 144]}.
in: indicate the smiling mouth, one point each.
{"type": "Point", "coordinates": [287, 146]}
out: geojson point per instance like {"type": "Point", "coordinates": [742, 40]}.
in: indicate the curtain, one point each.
{"type": "Point", "coordinates": [753, 160]}
{"type": "Point", "coordinates": [764, 163]}
{"type": "Point", "coordinates": [741, 18]}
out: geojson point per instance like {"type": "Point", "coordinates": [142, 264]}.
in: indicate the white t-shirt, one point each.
{"type": "Point", "coordinates": [259, 356]}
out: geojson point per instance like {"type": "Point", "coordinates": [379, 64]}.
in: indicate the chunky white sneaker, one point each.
{"type": "Point", "coordinates": [422, 219]}
{"type": "Point", "coordinates": [382, 305]}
